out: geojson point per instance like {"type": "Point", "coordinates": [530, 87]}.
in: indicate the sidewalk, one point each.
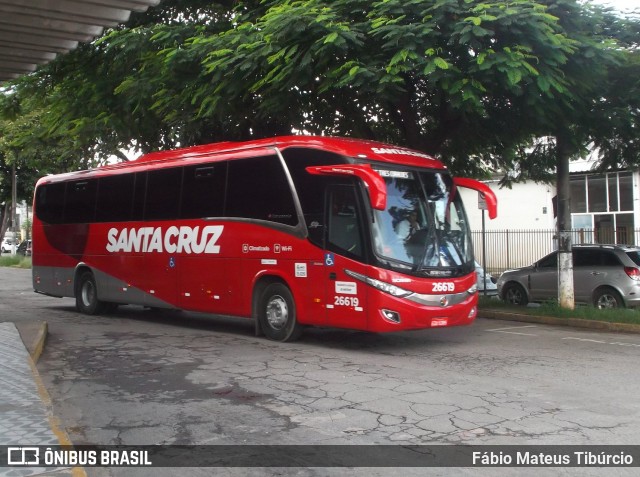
{"type": "Point", "coordinates": [26, 417]}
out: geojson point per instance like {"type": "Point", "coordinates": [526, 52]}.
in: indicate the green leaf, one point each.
{"type": "Point", "coordinates": [331, 38]}
{"type": "Point", "coordinates": [475, 20]}
{"type": "Point", "coordinates": [543, 83]}
{"type": "Point", "coordinates": [514, 76]}
{"type": "Point", "coordinates": [441, 63]}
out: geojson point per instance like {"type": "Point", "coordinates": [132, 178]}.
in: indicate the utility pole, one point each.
{"type": "Point", "coordinates": [14, 195]}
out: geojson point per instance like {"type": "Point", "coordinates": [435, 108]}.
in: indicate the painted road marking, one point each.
{"type": "Point", "coordinates": [505, 330]}
{"type": "Point", "coordinates": [508, 330]}
{"type": "Point", "coordinates": [615, 343]}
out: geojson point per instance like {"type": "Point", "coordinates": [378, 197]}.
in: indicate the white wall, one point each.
{"type": "Point", "coordinates": [521, 207]}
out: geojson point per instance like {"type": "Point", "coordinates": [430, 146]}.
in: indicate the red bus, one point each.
{"type": "Point", "coordinates": [290, 231]}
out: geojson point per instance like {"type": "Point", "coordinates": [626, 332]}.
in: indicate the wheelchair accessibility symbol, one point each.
{"type": "Point", "coordinates": [328, 259]}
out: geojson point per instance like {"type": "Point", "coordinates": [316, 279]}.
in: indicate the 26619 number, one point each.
{"type": "Point", "coordinates": [443, 287]}
{"type": "Point", "coordinates": [346, 301]}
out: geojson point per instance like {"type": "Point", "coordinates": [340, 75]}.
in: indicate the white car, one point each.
{"type": "Point", "coordinates": [6, 245]}
{"type": "Point", "coordinates": [486, 283]}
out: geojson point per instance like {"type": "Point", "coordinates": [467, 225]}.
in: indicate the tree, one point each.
{"type": "Point", "coordinates": [579, 114]}
{"type": "Point", "coordinates": [436, 75]}
{"type": "Point", "coordinates": [29, 150]}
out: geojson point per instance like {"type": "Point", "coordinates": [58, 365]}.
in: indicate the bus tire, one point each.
{"type": "Point", "coordinates": [277, 313]}
{"type": "Point", "coordinates": [87, 295]}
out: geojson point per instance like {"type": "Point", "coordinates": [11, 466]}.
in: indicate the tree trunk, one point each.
{"type": "Point", "coordinates": [565, 259]}
{"type": "Point", "coordinates": [4, 224]}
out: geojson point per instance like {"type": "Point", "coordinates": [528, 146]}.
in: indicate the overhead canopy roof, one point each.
{"type": "Point", "coordinates": [33, 32]}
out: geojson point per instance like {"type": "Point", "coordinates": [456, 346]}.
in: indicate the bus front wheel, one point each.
{"type": "Point", "coordinates": [87, 295]}
{"type": "Point", "coordinates": [277, 314]}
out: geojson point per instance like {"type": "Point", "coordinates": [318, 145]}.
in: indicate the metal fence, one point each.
{"type": "Point", "coordinates": [507, 249]}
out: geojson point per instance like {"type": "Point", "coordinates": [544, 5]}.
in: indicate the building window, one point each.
{"type": "Point", "coordinates": [625, 182]}
{"type": "Point", "coordinates": [578, 195]}
{"type": "Point", "coordinates": [602, 208]}
{"type": "Point", "coordinates": [612, 192]}
{"type": "Point", "coordinates": [597, 193]}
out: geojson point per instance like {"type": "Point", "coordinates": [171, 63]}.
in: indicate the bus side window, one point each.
{"type": "Point", "coordinates": [258, 189]}
{"type": "Point", "coordinates": [139, 192]}
{"type": "Point", "coordinates": [115, 198]}
{"type": "Point", "coordinates": [203, 191]}
{"type": "Point", "coordinates": [163, 194]}
{"type": "Point", "coordinates": [311, 188]}
{"type": "Point", "coordinates": [344, 224]}
{"type": "Point", "coordinates": [50, 202]}
{"type": "Point", "coordinates": [80, 203]}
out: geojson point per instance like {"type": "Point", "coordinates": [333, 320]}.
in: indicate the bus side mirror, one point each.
{"type": "Point", "coordinates": [375, 184]}
{"type": "Point", "coordinates": [488, 194]}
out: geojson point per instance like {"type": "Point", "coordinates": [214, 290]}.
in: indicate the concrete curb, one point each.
{"type": "Point", "coordinates": [34, 337]}
{"type": "Point", "coordinates": [550, 320]}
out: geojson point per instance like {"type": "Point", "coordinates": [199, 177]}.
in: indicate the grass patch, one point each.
{"type": "Point", "coordinates": [17, 261]}
{"type": "Point", "coordinates": [583, 312]}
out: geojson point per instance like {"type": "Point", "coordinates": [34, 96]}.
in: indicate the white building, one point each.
{"type": "Point", "coordinates": [605, 208]}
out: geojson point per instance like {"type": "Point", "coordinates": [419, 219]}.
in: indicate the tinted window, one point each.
{"type": "Point", "coordinates": [549, 261]}
{"type": "Point", "coordinates": [80, 204]}
{"type": "Point", "coordinates": [344, 226]}
{"type": "Point", "coordinates": [258, 189]}
{"type": "Point", "coordinates": [584, 258]}
{"type": "Point", "coordinates": [115, 198]}
{"type": "Point", "coordinates": [163, 194]}
{"type": "Point", "coordinates": [203, 191]}
{"type": "Point", "coordinates": [635, 256]}
{"type": "Point", "coordinates": [50, 203]}
{"type": "Point", "coordinates": [311, 188]}
{"type": "Point", "coordinates": [608, 259]}
{"type": "Point", "coordinates": [594, 258]}
{"type": "Point", "coordinates": [139, 192]}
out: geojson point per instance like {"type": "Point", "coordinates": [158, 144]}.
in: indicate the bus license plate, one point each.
{"type": "Point", "coordinates": [439, 322]}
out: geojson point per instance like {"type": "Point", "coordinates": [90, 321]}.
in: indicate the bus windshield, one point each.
{"type": "Point", "coordinates": [423, 227]}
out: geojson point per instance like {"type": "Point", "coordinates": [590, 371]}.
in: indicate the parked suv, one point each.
{"type": "Point", "coordinates": [24, 248]}
{"type": "Point", "coordinates": [605, 276]}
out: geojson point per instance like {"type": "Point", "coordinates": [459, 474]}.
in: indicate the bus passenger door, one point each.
{"type": "Point", "coordinates": [346, 297]}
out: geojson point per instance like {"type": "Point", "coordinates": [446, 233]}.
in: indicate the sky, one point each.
{"type": "Point", "coordinates": [622, 5]}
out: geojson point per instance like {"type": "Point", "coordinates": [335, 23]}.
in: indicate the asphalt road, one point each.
{"type": "Point", "coordinates": [140, 377]}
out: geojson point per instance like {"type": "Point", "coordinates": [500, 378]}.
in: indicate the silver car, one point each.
{"type": "Point", "coordinates": [605, 276]}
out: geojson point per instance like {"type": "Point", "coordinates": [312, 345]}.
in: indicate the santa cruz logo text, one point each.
{"type": "Point", "coordinates": [174, 240]}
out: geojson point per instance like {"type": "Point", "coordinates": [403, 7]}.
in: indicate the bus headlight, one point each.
{"type": "Point", "coordinates": [380, 285]}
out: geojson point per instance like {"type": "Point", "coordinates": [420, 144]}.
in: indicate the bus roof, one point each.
{"type": "Point", "coordinates": [357, 148]}
{"type": "Point", "coordinates": [345, 146]}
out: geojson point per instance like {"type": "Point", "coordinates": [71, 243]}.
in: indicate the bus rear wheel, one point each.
{"type": "Point", "coordinates": [277, 314]}
{"type": "Point", "coordinates": [87, 295]}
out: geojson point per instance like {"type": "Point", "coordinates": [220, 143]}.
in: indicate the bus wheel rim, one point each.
{"type": "Point", "coordinates": [277, 312]}
{"type": "Point", "coordinates": [88, 293]}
